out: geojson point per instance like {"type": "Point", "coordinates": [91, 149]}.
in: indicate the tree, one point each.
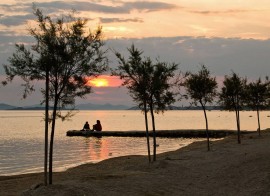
{"type": "Point", "coordinates": [160, 93]}
{"type": "Point", "coordinates": [201, 88]}
{"type": "Point", "coordinates": [257, 98]}
{"type": "Point", "coordinates": [64, 55]}
{"type": "Point", "coordinates": [232, 97]}
{"type": "Point", "coordinates": [134, 75]}
{"type": "Point", "coordinates": [148, 85]}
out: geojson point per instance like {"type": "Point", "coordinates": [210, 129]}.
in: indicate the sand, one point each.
{"type": "Point", "coordinates": [228, 169]}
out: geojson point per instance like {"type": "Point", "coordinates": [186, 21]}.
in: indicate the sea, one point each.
{"type": "Point", "coordinates": [22, 136]}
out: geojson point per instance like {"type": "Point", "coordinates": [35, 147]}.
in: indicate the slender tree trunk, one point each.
{"type": "Point", "coordinates": [238, 126]}
{"type": "Point", "coordinates": [259, 124]}
{"type": "Point", "coordinates": [147, 132]}
{"type": "Point", "coordinates": [206, 127]}
{"type": "Point", "coordinates": [236, 107]}
{"type": "Point", "coordinates": [52, 139]}
{"type": "Point", "coordinates": [46, 127]}
{"type": "Point", "coordinates": [154, 134]}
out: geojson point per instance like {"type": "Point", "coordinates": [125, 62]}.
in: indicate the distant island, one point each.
{"type": "Point", "coordinates": [87, 106]}
{"type": "Point", "coordinates": [185, 108]}
{"type": "Point", "coordinates": [90, 106]}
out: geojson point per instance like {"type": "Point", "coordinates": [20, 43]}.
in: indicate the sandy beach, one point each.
{"type": "Point", "coordinates": [228, 169]}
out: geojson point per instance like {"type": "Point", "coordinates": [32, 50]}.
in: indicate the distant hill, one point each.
{"type": "Point", "coordinates": [4, 106]}
{"type": "Point", "coordinates": [185, 108]}
{"type": "Point", "coordinates": [168, 108]}
{"type": "Point", "coordinates": [31, 107]}
{"type": "Point", "coordinates": [90, 106]}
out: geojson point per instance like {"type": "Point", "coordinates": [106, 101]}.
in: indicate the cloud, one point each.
{"type": "Point", "coordinates": [54, 7]}
{"type": "Point", "coordinates": [149, 6]}
{"type": "Point", "coordinates": [113, 95]}
{"type": "Point", "coordinates": [16, 19]}
{"type": "Point", "coordinates": [81, 6]}
{"type": "Point", "coordinates": [112, 20]}
{"type": "Point", "coordinates": [221, 12]}
{"type": "Point", "coordinates": [247, 57]}
{"type": "Point", "coordinates": [94, 6]}
{"type": "Point", "coordinates": [18, 7]}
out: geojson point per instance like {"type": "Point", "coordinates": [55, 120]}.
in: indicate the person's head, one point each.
{"type": "Point", "coordinates": [98, 121]}
{"type": "Point", "coordinates": [86, 122]}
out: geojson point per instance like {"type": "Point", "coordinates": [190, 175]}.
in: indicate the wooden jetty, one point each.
{"type": "Point", "coordinates": [159, 133]}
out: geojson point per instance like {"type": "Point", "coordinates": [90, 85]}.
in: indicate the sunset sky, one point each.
{"type": "Point", "coordinates": [224, 35]}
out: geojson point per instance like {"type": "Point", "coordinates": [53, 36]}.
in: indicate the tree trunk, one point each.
{"type": "Point", "coordinates": [52, 139]}
{"type": "Point", "coordinates": [206, 127]}
{"type": "Point", "coordinates": [238, 126]}
{"type": "Point", "coordinates": [154, 134]}
{"type": "Point", "coordinates": [259, 124]}
{"type": "Point", "coordinates": [46, 127]}
{"type": "Point", "coordinates": [236, 118]}
{"type": "Point", "coordinates": [147, 132]}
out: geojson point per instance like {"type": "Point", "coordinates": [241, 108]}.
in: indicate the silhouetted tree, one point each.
{"type": "Point", "coordinates": [134, 73]}
{"type": "Point", "coordinates": [148, 85]}
{"type": "Point", "coordinates": [160, 92]}
{"type": "Point", "coordinates": [201, 88]}
{"type": "Point", "coordinates": [232, 97]}
{"type": "Point", "coordinates": [257, 97]}
{"type": "Point", "coordinates": [64, 55]}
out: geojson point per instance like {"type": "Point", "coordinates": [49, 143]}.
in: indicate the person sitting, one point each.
{"type": "Point", "coordinates": [86, 126]}
{"type": "Point", "coordinates": [97, 127]}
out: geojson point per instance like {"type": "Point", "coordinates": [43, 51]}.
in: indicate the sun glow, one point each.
{"type": "Point", "coordinates": [99, 82]}
{"type": "Point", "coordinates": [104, 81]}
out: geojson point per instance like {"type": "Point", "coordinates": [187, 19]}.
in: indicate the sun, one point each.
{"type": "Point", "coordinates": [99, 82]}
{"type": "Point", "coordinates": [104, 81]}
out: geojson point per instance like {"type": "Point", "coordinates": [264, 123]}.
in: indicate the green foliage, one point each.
{"type": "Point", "coordinates": [232, 97]}
{"type": "Point", "coordinates": [71, 55]}
{"type": "Point", "coordinates": [233, 93]}
{"type": "Point", "coordinates": [145, 80]}
{"type": "Point", "coordinates": [148, 84]}
{"type": "Point", "coordinates": [257, 95]}
{"type": "Point", "coordinates": [201, 87]}
{"type": "Point", "coordinates": [65, 56]}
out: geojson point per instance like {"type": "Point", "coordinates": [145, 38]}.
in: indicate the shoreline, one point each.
{"type": "Point", "coordinates": [228, 169]}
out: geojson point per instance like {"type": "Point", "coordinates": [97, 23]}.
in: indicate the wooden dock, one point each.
{"type": "Point", "coordinates": [159, 133]}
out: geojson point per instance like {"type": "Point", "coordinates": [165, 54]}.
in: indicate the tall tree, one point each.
{"type": "Point", "coordinates": [232, 97]}
{"type": "Point", "coordinates": [134, 73]}
{"type": "Point", "coordinates": [66, 56]}
{"type": "Point", "coordinates": [201, 88]}
{"type": "Point", "coordinates": [148, 84]}
{"type": "Point", "coordinates": [160, 93]}
{"type": "Point", "coordinates": [257, 98]}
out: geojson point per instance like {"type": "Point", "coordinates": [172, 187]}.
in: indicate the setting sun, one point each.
{"type": "Point", "coordinates": [99, 82]}
{"type": "Point", "coordinates": [104, 81]}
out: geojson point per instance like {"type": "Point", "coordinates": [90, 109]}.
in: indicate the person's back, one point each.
{"type": "Point", "coordinates": [86, 126]}
{"type": "Point", "coordinates": [97, 127]}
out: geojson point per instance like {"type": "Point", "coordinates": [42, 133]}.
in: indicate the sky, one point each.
{"type": "Point", "coordinates": [226, 36]}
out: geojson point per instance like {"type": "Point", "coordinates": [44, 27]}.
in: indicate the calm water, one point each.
{"type": "Point", "coordinates": [22, 135]}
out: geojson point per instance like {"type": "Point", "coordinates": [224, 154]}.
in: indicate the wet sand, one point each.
{"type": "Point", "coordinates": [228, 169]}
